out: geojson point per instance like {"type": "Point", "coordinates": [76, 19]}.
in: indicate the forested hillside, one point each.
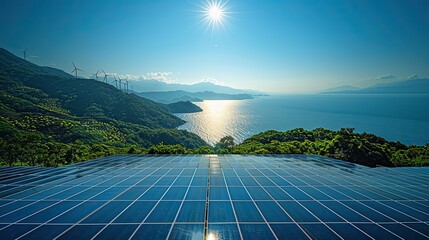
{"type": "Point", "coordinates": [45, 111]}
{"type": "Point", "coordinates": [345, 144]}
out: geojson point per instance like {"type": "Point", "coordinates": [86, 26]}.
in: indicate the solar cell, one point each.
{"type": "Point", "coordinates": [214, 197]}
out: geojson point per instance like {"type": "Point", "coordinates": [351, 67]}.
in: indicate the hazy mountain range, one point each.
{"type": "Point", "coordinates": [160, 86]}
{"type": "Point", "coordinates": [409, 86]}
{"type": "Point", "coordinates": [176, 96]}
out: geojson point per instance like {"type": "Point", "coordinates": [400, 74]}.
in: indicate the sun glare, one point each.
{"type": "Point", "coordinates": [214, 13]}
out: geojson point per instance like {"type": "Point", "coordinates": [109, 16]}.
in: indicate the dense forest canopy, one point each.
{"type": "Point", "coordinates": [48, 113]}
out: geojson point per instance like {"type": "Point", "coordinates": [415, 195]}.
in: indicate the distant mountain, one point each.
{"type": "Point", "coordinates": [184, 107]}
{"type": "Point", "coordinates": [159, 86]}
{"type": "Point", "coordinates": [175, 96]}
{"type": "Point", "coordinates": [413, 86]}
{"type": "Point", "coordinates": [340, 88]}
{"type": "Point", "coordinates": [63, 109]}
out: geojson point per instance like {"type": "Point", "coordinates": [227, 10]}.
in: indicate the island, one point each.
{"type": "Point", "coordinates": [183, 107]}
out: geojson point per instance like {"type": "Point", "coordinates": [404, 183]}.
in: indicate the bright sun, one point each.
{"type": "Point", "coordinates": [214, 13]}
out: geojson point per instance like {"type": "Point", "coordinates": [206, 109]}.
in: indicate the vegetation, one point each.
{"type": "Point", "coordinates": [345, 144]}
{"type": "Point", "coordinates": [47, 114]}
{"type": "Point", "coordinates": [48, 118]}
{"type": "Point", "coordinates": [184, 107]}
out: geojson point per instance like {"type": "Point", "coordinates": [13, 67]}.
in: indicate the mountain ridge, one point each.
{"type": "Point", "coordinates": [60, 108]}
{"type": "Point", "coordinates": [408, 86]}
{"type": "Point", "coordinates": [152, 85]}
{"type": "Point", "coordinates": [180, 95]}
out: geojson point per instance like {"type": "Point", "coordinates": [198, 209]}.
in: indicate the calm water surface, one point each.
{"type": "Point", "coordinates": [403, 118]}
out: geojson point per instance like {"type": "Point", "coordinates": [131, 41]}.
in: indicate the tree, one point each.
{"type": "Point", "coordinates": [225, 144]}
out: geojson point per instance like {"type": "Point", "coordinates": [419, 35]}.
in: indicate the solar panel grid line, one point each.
{"type": "Point", "coordinates": [207, 203]}
{"type": "Point", "coordinates": [290, 215]}
{"type": "Point", "coordinates": [369, 189]}
{"type": "Point", "coordinates": [232, 205]}
{"type": "Point", "coordinates": [418, 220]}
{"type": "Point", "coordinates": [21, 207]}
{"type": "Point", "coordinates": [402, 196]}
{"type": "Point", "coordinates": [351, 224]}
{"type": "Point", "coordinates": [53, 186]}
{"type": "Point", "coordinates": [402, 203]}
{"type": "Point", "coordinates": [408, 227]}
{"type": "Point", "coordinates": [354, 225]}
{"type": "Point", "coordinates": [384, 202]}
{"type": "Point", "coordinates": [21, 178]}
{"type": "Point", "coordinates": [144, 220]}
{"type": "Point", "coordinates": [254, 203]}
{"type": "Point", "coordinates": [414, 192]}
{"type": "Point", "coordinates": [21, 170]}
{"type": "Point", "coordinates": [122, 210]}
{"type": "Point", "coordinates": [51, 218]}
{"type": "Point", "coordinates": [376, 223]}
{"type": "Point", "coordinates": [180, 207]}
{"type": "Point", "coordinates": [417, 190]}
{"type": "Point", "coordinates": [307, 210]}
{"type": "Point", "coordinates": [88, 216]}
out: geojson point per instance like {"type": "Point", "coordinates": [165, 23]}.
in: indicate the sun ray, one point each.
{"type": "Point", "coordinates": [214, 12]}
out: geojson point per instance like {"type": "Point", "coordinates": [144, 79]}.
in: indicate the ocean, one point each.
{"type": "Point", "coordinates": [403, 118]}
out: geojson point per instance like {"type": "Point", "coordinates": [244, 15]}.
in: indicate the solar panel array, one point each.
{"type": "Point", "coordinates": [214, 197]}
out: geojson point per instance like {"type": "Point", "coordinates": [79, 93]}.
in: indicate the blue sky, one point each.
{"type": "Point", "coordinates": [271, 45]}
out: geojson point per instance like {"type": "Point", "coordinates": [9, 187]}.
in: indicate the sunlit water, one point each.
{"type": "Point", "coordinates": [403, 118]}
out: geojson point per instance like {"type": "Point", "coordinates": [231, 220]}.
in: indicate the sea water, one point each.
{"type": "Point", "coordinates": [403, 118]}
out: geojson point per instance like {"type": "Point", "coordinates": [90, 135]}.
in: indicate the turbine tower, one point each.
{"type": "Point", "coordinates": [115, 81]}
{"type": "Point", "coordinates": [126, 85]}
{"type": "Point", "coordinates": [75, 70]}
{"type": "Point", "coordinates": [105, 76]}
{"type": "Point", "coordinates": [96, 74]}
{"type": "Point", "coordinates": [120, 82]}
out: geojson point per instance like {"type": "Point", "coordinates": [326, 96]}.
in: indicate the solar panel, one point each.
{"type": "Point", "coordinates": [214, 197]}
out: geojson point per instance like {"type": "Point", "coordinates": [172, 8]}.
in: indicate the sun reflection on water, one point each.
{"type": "Point", "coordinates": [217, 110]}
{"type": "Point", "coordinates": [219, 118]}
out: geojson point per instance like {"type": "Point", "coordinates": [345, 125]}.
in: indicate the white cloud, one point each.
{"type": "Point", "coordinates": [210, 80]}
{"type": "Point", "coordinates": [167, 77]}
{"type": "Point", "coordinates": [384, 77]}
{"type": "Point", "coordinates": [161, 76]}
{"type": "Point", "coordinates": [413, 76]}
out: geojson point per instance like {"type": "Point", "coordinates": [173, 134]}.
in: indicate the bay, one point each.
{"type": "Point", "coordinates": [401, 118]}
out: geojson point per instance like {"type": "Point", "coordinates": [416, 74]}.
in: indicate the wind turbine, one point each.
{"type": "Point", "coordinates": [96, 74]}
{"type": "Point", "coordinates": [75, 70]}
{"type": "Point", "coordinates": [105, 76]}
{"type": "Point", "coordinates": [126, 85]}
{"type": "Point", "coordinates": [25, 54]}
{"type": "Point", "coordinates": [116, 81]}
{"type": "Point", "coordinates": [120, 82]}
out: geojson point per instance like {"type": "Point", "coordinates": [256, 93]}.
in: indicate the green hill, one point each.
{"type": "Point", "coordinates": [345, 144]}
{"type": "Point", "coordinates": [54, 107]}
{"type": "Point", "coordinates": [184, 107]}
